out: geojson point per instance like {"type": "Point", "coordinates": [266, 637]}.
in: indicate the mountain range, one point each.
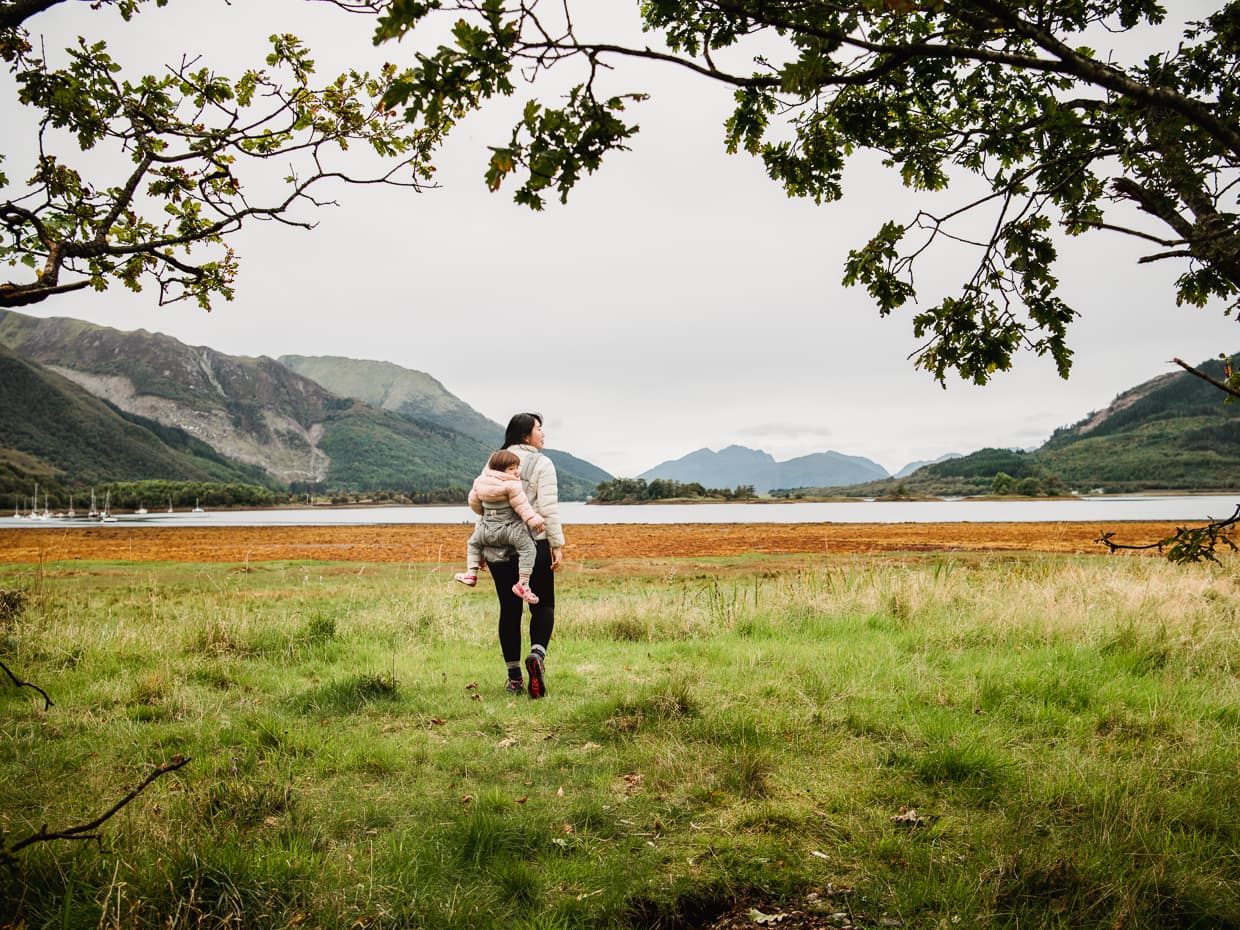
{"type": "Point", "coordinates": [1172, 432]}
{"type": "Point", "coordinates": [83, 404]}
{"type": "Point", "coordinates": [737, 465]}
{"type": "Point", "coordinates": [418, 396]}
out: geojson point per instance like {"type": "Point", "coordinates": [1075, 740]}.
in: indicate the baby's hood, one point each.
{"type": "Point", "coordinates": [492, 485]}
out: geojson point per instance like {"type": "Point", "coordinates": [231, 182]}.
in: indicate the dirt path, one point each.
{"type": "Point", "coordinates": [446, 543]}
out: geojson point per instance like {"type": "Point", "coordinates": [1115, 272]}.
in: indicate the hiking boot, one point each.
{"type": "Point", "coordinates": [538, 684]}
{"type": "Point", "coordinates": [514, 686]}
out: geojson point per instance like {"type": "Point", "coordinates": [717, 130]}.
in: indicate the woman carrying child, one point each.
{"type": "Point", "coordinates": [524, 438]}
{"type": "Point", "coordinates": [498, 498]}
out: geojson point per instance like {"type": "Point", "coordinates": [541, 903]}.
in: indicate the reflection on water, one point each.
{"type": "Point", "coordinates": [1083, 509]}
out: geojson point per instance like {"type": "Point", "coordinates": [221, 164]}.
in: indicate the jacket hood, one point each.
{"type": "Point", "coordinates": [492, 484]}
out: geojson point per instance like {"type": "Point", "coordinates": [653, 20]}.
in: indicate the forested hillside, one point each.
{"type": "Point", "coordinates": [58, 434]}
{"type": "Point", "coordinates": [414, 394]}
{"type": "Point", "coordinates": [419, 396]}
{"type": "Point", "coordinates": [1173, 432]}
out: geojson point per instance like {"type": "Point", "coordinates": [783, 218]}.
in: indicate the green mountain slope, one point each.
{"type": "Point", "coordinates": [411, 393]}
{"type": "Point", "coordinates": [418, 396]}
{"type": "Point", "coordinates": [1173, 432]}
{"type": "Point", "coordinates": [51, 428]}
{"type": "Point", "coordinates": [371, 449]}
{"type": "Point", "coordinates": [1177, 396]}
{"type": "Point", "coordinates": [253, 410]}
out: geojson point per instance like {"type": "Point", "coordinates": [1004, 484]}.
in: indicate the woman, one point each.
{"type": "Point", "coordinates": [524, 437]}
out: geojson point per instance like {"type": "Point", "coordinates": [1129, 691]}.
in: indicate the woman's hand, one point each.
{"type": "Point", "coordinates": [557, 556]}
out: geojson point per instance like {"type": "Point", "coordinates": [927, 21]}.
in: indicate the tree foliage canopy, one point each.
{"type": "Point", "coordinates": [141, 179]}
{"type": "Point", "coordinates": [1066, 137]}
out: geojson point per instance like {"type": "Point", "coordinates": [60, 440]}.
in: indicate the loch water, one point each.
{"type": "Point", "coordinates": [1101, 509]}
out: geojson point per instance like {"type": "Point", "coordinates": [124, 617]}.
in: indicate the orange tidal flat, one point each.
{"type": "Point", "coordinates": [446, 543]}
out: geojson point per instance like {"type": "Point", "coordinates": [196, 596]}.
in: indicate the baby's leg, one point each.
{"type": "Point", "coordinates": [473, 558]}
{"type": "Point", "coordinates": [526, 552]}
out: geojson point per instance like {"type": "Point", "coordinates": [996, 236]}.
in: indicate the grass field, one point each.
{"type": "Point", "coordinates": [917, 741]}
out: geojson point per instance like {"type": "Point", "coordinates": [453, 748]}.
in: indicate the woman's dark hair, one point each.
{"type": "Point", "coordinates": [520, 427]}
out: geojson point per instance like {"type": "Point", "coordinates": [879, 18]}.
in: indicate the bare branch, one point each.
{"type": "Point", "coordinates": [17, 12]}
{"type": "Point", "coordinates": [592, 50]}
{"type": "Point", "coordinates": [1162, 256]}
{"type": "Point", "coordinates": [47, 701]}
{"type": "Point", "coordinates": [367, 7]}
{"type": "Point", "coordinates": [85, 831]}
{"type": "Point", "coordinates": [123, 199]}
{"type": "Point", "coordinates": [1137, 233]}
{"type": "Point", "coordinates": [1187, 544]}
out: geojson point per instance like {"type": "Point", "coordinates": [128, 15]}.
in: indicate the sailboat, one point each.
{"type": "Point", "coordinates": [197, 509]}
{"type": "Point", "coordinates": [106, 516]}
{"type": "Point", "coordinates": [34, 510]}
{"type": "Point", "coordinates": [70, 513]}
{"type": "Point", "coordinates": [140, 509]}
{"type": "Point", "coordinates": [169, 503]}
{"type": "Point", "coordinates": [93, 513]}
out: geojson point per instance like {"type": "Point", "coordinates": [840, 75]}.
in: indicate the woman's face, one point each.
{"type": "Point", "coordinates": [536, 438]}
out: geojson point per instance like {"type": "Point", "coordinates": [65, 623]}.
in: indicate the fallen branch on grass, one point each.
{"type": "Point", "coordinates": [47, 701]}
{"type": "Point", "coordinates": [85, 831]}
{"type": "Point", "coordinates": [1187, 544]}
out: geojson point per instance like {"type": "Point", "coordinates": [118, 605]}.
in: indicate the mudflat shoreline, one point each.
{"type": "Point", "coordinates": [446, 542]}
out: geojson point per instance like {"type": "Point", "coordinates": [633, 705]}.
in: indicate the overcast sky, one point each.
{"type": "Point", "coordinates": [678, 301]}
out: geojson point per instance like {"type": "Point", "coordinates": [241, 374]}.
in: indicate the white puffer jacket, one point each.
{"type": "Point", "coordinates": [543, 490]}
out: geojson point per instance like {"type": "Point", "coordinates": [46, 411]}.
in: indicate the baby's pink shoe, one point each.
{"type": "Point", "coordinates": [469, 579]}
{"type": "Point", "coordinates": [524, 593]}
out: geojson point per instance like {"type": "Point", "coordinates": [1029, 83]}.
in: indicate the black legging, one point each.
{"type": "Point", "coordinates": [542, 614]}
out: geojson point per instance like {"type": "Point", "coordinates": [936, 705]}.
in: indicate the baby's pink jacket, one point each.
{"type": "Point", "coordinates": [494, 485]}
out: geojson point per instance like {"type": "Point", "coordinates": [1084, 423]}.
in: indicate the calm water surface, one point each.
{"type": "Point", "coordinates": [1085, 509]}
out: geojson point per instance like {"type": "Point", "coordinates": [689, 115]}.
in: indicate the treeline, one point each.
{"type": "Point", "coordinates": [632, 490]}
{"type": "Point", "coordinates": [1029, 486]}
{"type": "Point", "coordinates": [159, 495]}
{"type": "Point", "coordinates": [155, 495]}
{"type": "Point", "coordinates": [130, 495]}
{"type": "Point", "coordinates": [18, 487]}
{"type": "Point", "coordinates": [318, 491]}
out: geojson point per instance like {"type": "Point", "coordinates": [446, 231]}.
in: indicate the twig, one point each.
{"type": "Point", "coordinates": [83, 831]}
{"type": "Point", "coordinates": [47, 701]}
{"type": "Point", "coordinates": [1187, 544]}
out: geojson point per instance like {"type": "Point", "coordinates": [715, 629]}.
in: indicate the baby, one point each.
{"type": "Point", "coordinates": [507, 519]}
